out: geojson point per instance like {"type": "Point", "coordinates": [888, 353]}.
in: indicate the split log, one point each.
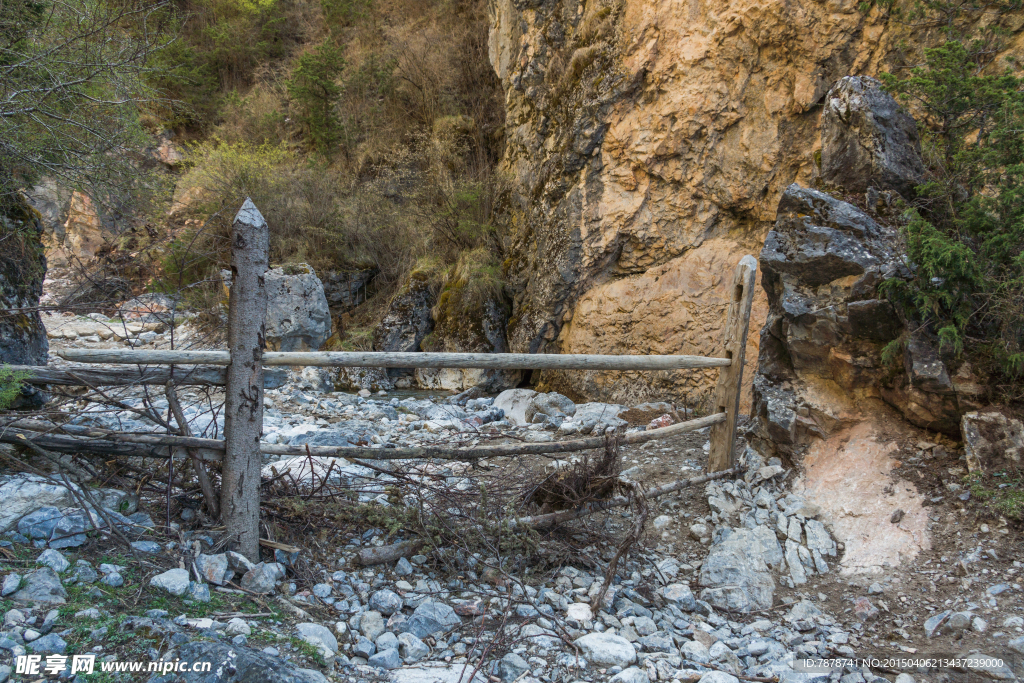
{"type": "Point", "coordinates": [71, 444]}
{"type": "Point", "coordinates": [367, 557]}
{"type": "Point", "coordinates": [116, 377]}
{"type": "Point", "coordinates": [212, 449]}
{"type": "Point", "coordinates": [382, 359]}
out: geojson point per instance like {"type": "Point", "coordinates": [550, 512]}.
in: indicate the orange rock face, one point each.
{"type": "Point", "coordinates": [648, 146]}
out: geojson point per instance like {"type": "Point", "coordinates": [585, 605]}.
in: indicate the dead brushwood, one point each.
{"type": "Point", "coordinates": [584, 481]}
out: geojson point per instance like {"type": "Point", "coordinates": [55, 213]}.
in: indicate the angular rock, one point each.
{"type": "Point", "coordinates": [151, 547]}
{"type": "Point", "coordinates": [386, 659]}
{"type": "Point", "coordinates": [41, 586]}
{"type": "Point", "coordinates": [371, 624]}
{"type": "Point", "coordinates": [363, 647]}
{"type": "Point", "coordinates": [411, 648]}
{"type": "Point", "coordinates": [320, 636]}
{"type": "Point", "coordinates": [386, 602]}
{"type": "Point", "coordinates": [70, 529]}
{"type": "Point", "coordinates": [992, 441]}
{"type": "Point", "coordinates": [49, 644]}
{"type": "Point", "coordinates": [39, 523]}
{"type": "Point", "coordinates": [551, 404]}
{"type": "Point", "coordinates": [263, 577]}
{"type": "Point", "coordinates": [511, 667]}
{"type": "Point", "coordinates": [174, 581]}
{"type": "Point", "coordinates": [867, 140]}
{"type": "Point", "coordinates": [54, 560]}
{"type": "Point", "coordinates": [237, 626]}
{"type": "Point", "coordinates": [606, 649]}
{"type": "Point", "coordinates": [238, 664]}
{"type": "Point", "coordinates": [214, 568]}
{"type": "Point", "coordinates": [11, 583]}
{"type": "Point", "coordinates": [735, 575]}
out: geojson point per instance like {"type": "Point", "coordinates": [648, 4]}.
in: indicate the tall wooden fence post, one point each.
{"type": "Point", "coordinates": [730, 379]}
{"type": "Point", "coordinates": [243, 404]}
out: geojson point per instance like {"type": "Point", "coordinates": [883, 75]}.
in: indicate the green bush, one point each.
{"type": "Point", "coordinates": [965, 234]}
{"type": "Point", "coordinates": [10, 385]}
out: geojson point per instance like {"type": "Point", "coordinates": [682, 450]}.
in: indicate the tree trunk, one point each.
{"type": "Point", "coordinates": [243, 409]}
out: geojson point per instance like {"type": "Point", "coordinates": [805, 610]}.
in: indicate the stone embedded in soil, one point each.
{"type": "Point", "coordinates": [403, 567]}
{"type": "Point", "coordinates": [511, 667]}
{"type": "Point", "coordinates": [320, 636]}
{"type": "Point", "coordinates": [387, 659]}
{"type": "Point", "coordinates": [174, 581]}
{"type": "Point", "coordinates": [41, 586]}
{"type": "Point", "coordinates": [411, 648]}
{"type": "Point", "coordinates": [239, 664]}
{"type": "Point", "coordinates": [151, 547]}
{"type": "Point", "coordinates": [214, 568]}
{"type": "Point", "coordinates": [263, 577]}
{"type": "Point", "coordinates": [11, 583]}
{"type": "Point", "coordinates": [606, 649]}
{"type": "Point", "coordinates": [54, 560]}
{"type": "Point", "coordinates": [49, 644]}
{"type": "Point", "coordinates": [40, 523]}
{"type": "Point", "coordinates": [386, 602]}
{"type": "Point", "coordinates": [864, 610]}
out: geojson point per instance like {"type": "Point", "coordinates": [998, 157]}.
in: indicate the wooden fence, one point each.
{"type": "Point", "coordinates": [240, 370]}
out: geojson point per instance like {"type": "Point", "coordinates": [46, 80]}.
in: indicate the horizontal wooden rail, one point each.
{"type": "Point", "coordinates": [84, 439]}
{"type": "Point", "coordinates": [486, 361]}
{"type": "Point", "coordinates": [183, 375]}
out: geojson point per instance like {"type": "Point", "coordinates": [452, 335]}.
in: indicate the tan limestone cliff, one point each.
{"type": "Point", "coordinates": [648, 144]}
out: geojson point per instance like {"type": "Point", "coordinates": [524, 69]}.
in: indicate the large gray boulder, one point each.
{"type": "Point", "coordinates": [827, 322]}
{"type": "Point", "coordinates": [298, 318]}
{"type": "Point", "coordinates": [515, 403]}
{"type": "Point", "coordinates": [22, 494]}
{"type": "Point", "coordinates": [867, 140]}
{"type": "Point", "coordinates": [297, 315]}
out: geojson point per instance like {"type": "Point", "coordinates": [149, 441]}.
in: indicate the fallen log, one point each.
{"type": "Point", "coordinates": [193, 375]}
{"type": "Point", "coordinates": [212, 447]}
{"type": "Point", "coordinates": [367, 557]}
{"type": "Point", "coordinates": [71, 444]}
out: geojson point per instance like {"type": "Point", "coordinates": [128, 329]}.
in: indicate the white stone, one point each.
{"type": "Point", "coordinates": [580, 612]}
{"type": "Point", "coordinates": [515, 402]}
{"type": "Point", "coordinates": [606, 649]}
{"type": "Point", "coordinates": [237, 627]}
{"type": "Point", "coordinates": [174, 581]}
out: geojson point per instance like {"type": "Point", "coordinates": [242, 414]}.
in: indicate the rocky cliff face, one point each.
{"type": "Point", "coordinates": [22, 268]}
{"type": "Point", "coordinates": [648, 145]}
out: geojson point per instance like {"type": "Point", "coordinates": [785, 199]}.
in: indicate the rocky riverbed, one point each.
{"type": "Point", "coordinates": [735, 579]}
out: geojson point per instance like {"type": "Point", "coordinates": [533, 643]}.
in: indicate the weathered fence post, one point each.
{"type": "Point", "coordinates": [730, 379]}
{"type": "Point", "coordinates": [243, 404]}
